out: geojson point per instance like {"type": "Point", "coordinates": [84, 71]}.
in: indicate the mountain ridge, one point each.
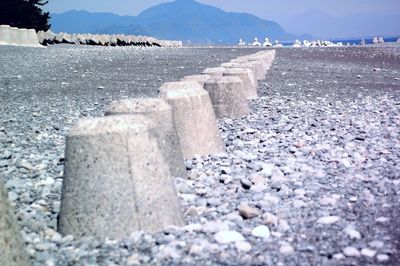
{"type": "Point", "coordinates": [185, 20]}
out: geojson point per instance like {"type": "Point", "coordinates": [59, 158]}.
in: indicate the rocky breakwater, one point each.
{"type": "Point", "coordinates": [49, 37]}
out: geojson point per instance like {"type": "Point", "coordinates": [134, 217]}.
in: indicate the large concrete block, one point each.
{"type": "Point", "coordinates": [228, 97]}
{"type": "Point", "coordinates": [258, 67]}
{"type": "Point", "coordinates": [247, 77]}
{"type": "Point", "coordinates": [5, 35]}
{"type": "Point", "coordinates": [198, 78]}
{"type": "Point", "coordinates": [214, 71]}
{"type": "Point", "coordinates": [251, 67]}
{"type": "Point", "coordinates": [12, 250]}
{"type": "Point", "coordinates": [15, 36]}
{"type": "Point", "coordinates": [116, 180]}
{"type": "Point", "coordinates": [161, 113]}
{"type": "Point", "coordinates": [194, 118]}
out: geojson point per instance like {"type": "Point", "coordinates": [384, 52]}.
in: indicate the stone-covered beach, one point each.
{"type": "Point", "coordinates": [310, 177]}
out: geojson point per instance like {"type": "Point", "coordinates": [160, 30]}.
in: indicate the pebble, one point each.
{"type": "Point", "coordinates": [270, 218]}
{"type": "Point", "coordinates": [382, 257]}
{"type": "Point", "coordinates": [246, 184]}
{"type": "Point", "coordinates": [225, 237]}
{"type": "Point", "coordinates": [376, 244]}
{"type": "Point", "coordinates": [328, 220]}
{"type": "Point", "coordinates": [368, 252]}
{"type": "Point", "coordinates": [382, 220]}
{"type": "Point", "coordinates": [261, 231]}
{"type": "Point", "coordinates": [248, 212]}
{"type": "Point", "coordinates": [351, 252]}
{"type": "Point", "coordinates": [352, 233]}
{"type": "Point", "coordinates": [243, 246]}
{"type": "Point", "coordinates": [286, 249]}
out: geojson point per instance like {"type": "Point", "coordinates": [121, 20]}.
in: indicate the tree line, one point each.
{"type": "Point", "coordinates": [24, 14]}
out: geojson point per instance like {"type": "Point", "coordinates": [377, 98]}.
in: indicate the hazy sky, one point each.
{"type": "Point", "coordinates": [268, 9]}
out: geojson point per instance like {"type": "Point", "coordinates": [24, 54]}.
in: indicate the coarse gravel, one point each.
{"type": "Point", "coordinates": [310, 177]}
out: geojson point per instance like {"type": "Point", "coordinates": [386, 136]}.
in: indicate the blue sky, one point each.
{"type": "Point", "coordinates": [269, 9]}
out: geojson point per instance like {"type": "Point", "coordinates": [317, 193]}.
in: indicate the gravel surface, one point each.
{"type": "Point", "coordinates": [311, 177]}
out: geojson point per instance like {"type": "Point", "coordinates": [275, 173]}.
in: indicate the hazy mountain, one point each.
{"type": "Point", "coordinates": [322, 25]}
{"type": "Point", "coordinates": [185, 20]}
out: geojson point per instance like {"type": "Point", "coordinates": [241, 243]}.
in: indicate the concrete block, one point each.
{"type": "Point", "coordinates": [251, 67]}
{"type": "Point", "coordinates": [198, 78]}
{"type": "Point", "coordinates": [161, 113]}
{"type": "Point", "coordinates": [228, 97]}
{"type": "Point", "coordinates": [12, 250]}
{"type": "Point", "coordinates": [194, 118]}
{"type": "Point", "coordinates": [258, 67]}
{"type": "Point", "coordinates": [257, 58]}
{"type": "Point", "coordinates": [5, 35]}
{"type": "Point", "coordinates": [247, 77]}
{"type": "Point", "coordinates": [214, 71]}
{"type": "Point", "coordinates": [116, 180]}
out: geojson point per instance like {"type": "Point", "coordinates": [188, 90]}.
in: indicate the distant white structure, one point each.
{"type": "Point", "coordinates": [241, 42]}
{"type": "Point", "coordinates": [18, 37]}
{"type": "Point", "coordinates": [381, 40]}
{"type": "Point", "coordinates": [256, 42]}
{"type": "Point", "coordinates": [398, 40]}
{"type": "Point", "coordinates": [375, 40]}
{"type": "Point", "coordinates": [277, 44]}
{"type": "Point", "coordinates": [306, 43]}
{"type": "Point", "coordinates": [297, 43]}
{"type": "Point", "coordinates": [267, 43]}
{"type": "Point", "coordinates": [363, 42]}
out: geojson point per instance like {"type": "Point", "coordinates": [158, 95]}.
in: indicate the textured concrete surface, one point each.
{"type": "Point", "coordinates": [228, 97]}
{"type": "Point", "coordinates": [247, 77]}
{"type": "Point", "coordinates": [161, 113]}
{"type": "Point", "coordinates": [116, 181]}
{"type": "Point", "coordinates": [194, 117]}
{"type": "Point", "coordinates": [198, 78]}
{"type": "Point", "coordinates": [18, 37]}
{"type": "Point", "coordinates": [214, 71]}
{"type": "Point", "coordinates": [12, 249]}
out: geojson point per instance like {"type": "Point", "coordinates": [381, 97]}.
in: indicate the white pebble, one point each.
{"type": "Point", "coordinates": [376, 244]}
{"type": "Point", "coordinates": [328, 220]}
{"type": "Point", "coordinates": [286, 249]}
{"type": "Point", "coordinates": [368, 252]}
{"type": "Point", "coordinates": [261, 231]}
{"type": "Point", "coordinates": [338, 256]}
{"type": "Point", "coordinates": [352, 233]}
{"type": "Point", "coordinates": [225, 237]}
{"type": "Point", "coordinates": [382, 257]}
{"type": "Point", "coordinates": [382, 220]}
{"type": "Point", "coordinates": [351, 252]}
{"type": "Point", "coordinates": [243, 246]}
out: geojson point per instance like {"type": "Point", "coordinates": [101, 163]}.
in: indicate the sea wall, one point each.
{"type": "Point", "coordinates": [48, 37]}
{"type": "Point", "coordinates": [29, 37]}
{"type": "Point", "coordinates": [18, 37]}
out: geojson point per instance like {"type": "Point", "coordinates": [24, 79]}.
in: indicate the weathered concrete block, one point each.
{"type": "Point", "coordinates": [161, 113]}
{"type": "Point", "coordinates": [198, 78]}
{"type": "Point", "coordinates": [214, 71]}
{"type": "Point", "coordinates": [116, 180]}
{"type": "Point", "coordinates": [194, 118]}
{"type": "Point", "coordinates": [258, 67]}
{"type": "Point", "coordinates": [12, 250]}
{"type": "Point", "coordinates": [247, 77]}
{"type": "Point", "coordinates": [5, 35]}
{"type": "Point", "coordinates": [228, 97]}
{"type": "Point", "coordinates": [251, 67]}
